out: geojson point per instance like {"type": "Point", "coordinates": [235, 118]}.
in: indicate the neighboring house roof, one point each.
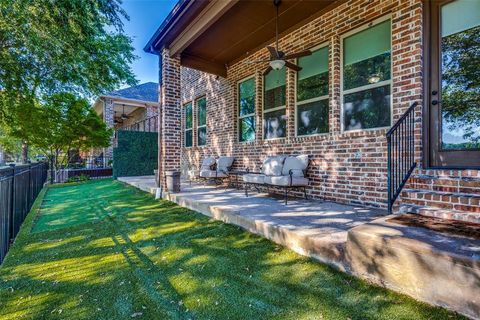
{"type": "Point", "coordinates": [143, 92]}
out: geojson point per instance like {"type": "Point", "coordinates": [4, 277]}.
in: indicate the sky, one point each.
{"type": "Point", "coordinates": [145, 18]}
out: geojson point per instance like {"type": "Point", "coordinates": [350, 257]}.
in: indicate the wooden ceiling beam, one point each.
{"type": "Point", "coordinates": [214, 10]}
{"type": "Point", "coordinates": [198, 63]}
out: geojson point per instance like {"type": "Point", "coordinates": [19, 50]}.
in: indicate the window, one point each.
{"type": "Point", "coordinates": [188, 125]}
{"type": "Point", "coordinates": [246, 110]}
{"type": "Point", "coordinates": [274, 114]}
{"type": "Point", "coordinates": [312, 93]}
{"type": "Point", "coordinates": [201, 121]}
{"type": "Point", "coordinates": [366, 88]}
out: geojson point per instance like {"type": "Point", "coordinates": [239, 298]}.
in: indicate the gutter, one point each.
{"type": "Point", "coordinates": [177, 12]}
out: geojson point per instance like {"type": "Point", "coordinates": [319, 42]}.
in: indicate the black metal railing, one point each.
{"type": "Point", "coordinates": [91, 167]}
{"type": "Point", "coordinates": [19, 187]}
{"type": "Point", "coordinates": [146, 125]}
{"type": "Point", "coordinates": [401, 154]}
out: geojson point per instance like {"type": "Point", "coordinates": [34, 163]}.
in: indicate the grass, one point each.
{"type": "Point", "coordinates": [101, 250]}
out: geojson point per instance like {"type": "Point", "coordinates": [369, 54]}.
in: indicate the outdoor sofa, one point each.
{"type": "Point", "coordinates": [282, 171]}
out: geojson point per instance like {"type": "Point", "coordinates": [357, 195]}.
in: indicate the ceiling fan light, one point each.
{"type": "Point", "coordinates": [124, 116]}
{"type": "Point", "coordinates": [277, 64]}
{"type": "Point", "coordinates": [374, 78]}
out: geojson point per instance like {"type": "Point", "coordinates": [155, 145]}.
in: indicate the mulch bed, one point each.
{"type": "Point", "coordinates": [455, 227]}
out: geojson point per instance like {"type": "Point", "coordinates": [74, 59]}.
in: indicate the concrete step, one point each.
{"type": "Point", "coordinates": [444, 200]}
{"type": "Point", "coordinates": [440, 213]}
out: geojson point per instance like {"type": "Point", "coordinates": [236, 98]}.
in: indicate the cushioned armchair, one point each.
{"type": "Point", "coordinates": [216, 168]}
{"type": "Point", "coordinates": [281, 171]}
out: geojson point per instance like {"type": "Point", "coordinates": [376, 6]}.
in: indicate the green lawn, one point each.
{"type": "Point", "coordinates": [101, 250]}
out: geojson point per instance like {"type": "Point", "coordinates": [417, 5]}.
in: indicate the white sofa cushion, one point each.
{"type": "Point", "coordinates": [253, 178]}
{"type": "Point", "coordinates": [208, 163]}
{"type": "Point", "coordinates": [272, 165]}
{"type": "Point", "coordinates": [206, 173]}
{"type": "Point", "coordinates": [223, 163]}
{"type": "Point", "coordinates": [284, 181]}
{"type": "Point", "coordinates": [298, 164]}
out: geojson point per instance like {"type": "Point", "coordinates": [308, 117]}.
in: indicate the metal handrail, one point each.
{"type": "Point", "coordinates": [400, 154]}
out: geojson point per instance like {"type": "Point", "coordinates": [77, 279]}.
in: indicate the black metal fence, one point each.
{"type": "Point", "coordinates": [146, 125]}
{"type": "Point", "coordinates": [19, 187]}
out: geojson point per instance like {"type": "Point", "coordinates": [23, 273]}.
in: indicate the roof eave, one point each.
{"type": "Point", "coordinates": [178, 10]}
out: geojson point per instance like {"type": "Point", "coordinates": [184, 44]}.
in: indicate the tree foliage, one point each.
{"type": "Point", "coordinates": [50, 47]}
{"type": "Point", "coordinates": [461, 84]}
{"type": "Point", "coordinates": [68, 123]}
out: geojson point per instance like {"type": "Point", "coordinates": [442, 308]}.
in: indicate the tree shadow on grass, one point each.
{"type": "Point", "coordinates": [167, 262]}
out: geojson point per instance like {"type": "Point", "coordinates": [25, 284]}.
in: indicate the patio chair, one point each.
{"type": "Point", "coordinates": [285, 172]}
{"type": "Point", "coordinates": [218, 170]}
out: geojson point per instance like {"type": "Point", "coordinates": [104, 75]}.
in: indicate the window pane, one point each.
{"type": "Point", "coordinates": [202, 111]}
{"type": "Point", "coordinates": [367, 44]}
{"type": "Point", "coordinates": [188, 138]}
{"type": "Point", "coordinates": [366, 56]}
{"type": "Point", "coordinates": [460, 84]}
{"type": "Point", "coordinates": [367, 109]}
{"type": "Point", "coordinates": [313, 64]}
{"type": "Point", "coordinates": [202, 136]}
{"type": "Point", "coordinates": [312, 118]}
{"type": "Point", "coordinates": [246, 97]}
{"type": "Point", "coordinates": [312, 87]}
{"type": "Point", "coordinates": [275, 94]}
{"type": "Point", "coordinates": [275, 98]}
{"type": "Point", "coordinates": [188, 116]}
{"type": "Point", "coordinates": [274, 124]}
{"type": "Point", "coordinates": [247, 129]}
{"type": "Point", "coordinates": [366, 72]}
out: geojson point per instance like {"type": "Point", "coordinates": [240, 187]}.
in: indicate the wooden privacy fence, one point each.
{"type": "Point", "coordinates": [19, 187]}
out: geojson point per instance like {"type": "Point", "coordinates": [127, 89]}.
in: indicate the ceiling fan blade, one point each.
{"type": "Point", "coordinates": [267, 71]}
{"type": "Point", "coordinates": [292, 66]}
{"type": "Point", "coordinates": [273, 52]}
{"type": "Point", "coordinates": [298, 54]}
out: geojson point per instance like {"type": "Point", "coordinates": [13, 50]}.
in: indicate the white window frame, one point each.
{"type": "Point", "coordinates": [273, 109]}
{"type": "Point", "coordinates": [197, 119]}
{"type": "Point", "coordinates": [247, 115]}
{"type": "Point", "coordinates": [369, 86]}
{"type": "Point", "coordinates": [327, 96]}
{"type": "Point", "coordinates": [185, 125]}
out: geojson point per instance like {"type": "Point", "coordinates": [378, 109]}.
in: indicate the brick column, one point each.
{"type": "Point", "coordinates": [108, 114]}
{"type": "Point", "coordinates": [169, 147]}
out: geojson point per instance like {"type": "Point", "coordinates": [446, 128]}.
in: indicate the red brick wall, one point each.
{"type": "Point", "coordinates": [346, 167]}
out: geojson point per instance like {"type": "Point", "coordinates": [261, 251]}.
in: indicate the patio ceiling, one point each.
{"type": "Point", "coordinates": [210, 35]}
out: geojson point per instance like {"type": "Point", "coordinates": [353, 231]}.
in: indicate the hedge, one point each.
{"type": "Point", "coordinates": [136, 154]}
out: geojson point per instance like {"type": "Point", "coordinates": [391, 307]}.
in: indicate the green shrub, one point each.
{"type": "Point", "coordinates": [136, 154]}
{"type": "Point", "coordinates": [80, 178]}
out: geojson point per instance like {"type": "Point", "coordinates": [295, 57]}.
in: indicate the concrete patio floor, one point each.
{"type": "Point", "coordinates": [310, 227]}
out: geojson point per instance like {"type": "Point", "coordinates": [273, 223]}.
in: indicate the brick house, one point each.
{"type": "Point", "coordinates": [371, 61]}
{"type": "Point", "coordinates": [130, 108]}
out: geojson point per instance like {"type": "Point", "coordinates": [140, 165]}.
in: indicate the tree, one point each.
{"type": "Point", "coordinates": [49, 47]}
{"type": "Point", "coordinates": [68, 123]}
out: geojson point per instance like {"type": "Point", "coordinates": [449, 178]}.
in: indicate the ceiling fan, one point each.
{"type": "Point", "coordinates": [124, 116]}
{"type": "Point", "coordinates": [278, 59]}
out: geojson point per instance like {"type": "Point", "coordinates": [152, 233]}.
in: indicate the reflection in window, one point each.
{"type": "Point", "coordinates": [201, 121]}
{"type": "Point", "coordinates": [460, 75]}
{"type": "Point", "coordinates": [246, 110]}
{"type": "Point", "coordinates": [188, 124]}
{"type": "Point", "coordinates": [367, 78]}
{"type": "Point", "coordinates": [312, 93]}
{"type": "Point", "coordinates": [274, 104]}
